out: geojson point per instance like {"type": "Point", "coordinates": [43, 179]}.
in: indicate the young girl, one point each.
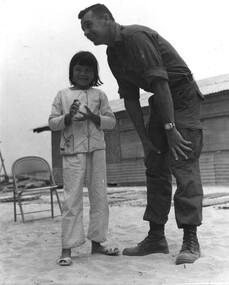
{"type": "Point", "coordinates": [82, 112]}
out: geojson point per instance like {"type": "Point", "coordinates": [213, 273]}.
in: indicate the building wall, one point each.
{"type": "Point", "coordinates": [215, 121]}
{"type": "Point", "coordinates": [128, 166]}
{"type": "Point", "coordinates": [56, 158]}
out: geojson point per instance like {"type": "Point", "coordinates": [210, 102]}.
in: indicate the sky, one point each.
{"type": "Point", "coordinates": [39, 38]}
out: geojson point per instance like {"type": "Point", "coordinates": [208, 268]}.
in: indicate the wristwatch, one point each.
{"type": "Point", "coordinates": [169, 126]}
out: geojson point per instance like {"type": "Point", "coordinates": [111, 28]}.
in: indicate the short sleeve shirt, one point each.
{"type": "Point", "coordinates": [141, 58]}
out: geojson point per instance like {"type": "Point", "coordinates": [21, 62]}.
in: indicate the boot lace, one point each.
{"type": "Point", "coordinates": [190, 242]}
{"type": "Point", "coordinates": [150, 239]}
{"type": "Point", "coordinates": [145, 240]}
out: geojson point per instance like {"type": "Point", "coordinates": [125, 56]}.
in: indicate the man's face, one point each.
{"type": "Point", "coordinates": [95, 29]}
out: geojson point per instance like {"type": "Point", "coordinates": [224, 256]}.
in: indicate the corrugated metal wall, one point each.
{"type": "Point", "coordinates": [214, 169]}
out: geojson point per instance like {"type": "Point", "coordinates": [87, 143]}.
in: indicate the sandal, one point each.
{"type": "Point", "coordinates": [64, 261]}
{"type": "Point", "coordinates": [106, 250]}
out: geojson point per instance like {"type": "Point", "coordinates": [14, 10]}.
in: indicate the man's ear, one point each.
{"type": "Point", "coordinates": [106, 18]}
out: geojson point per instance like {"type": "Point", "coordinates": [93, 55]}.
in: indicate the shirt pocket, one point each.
{"type": "Point", "coordinates": [67, 145]}
{"type": "Point", "coordinates": [182, 99]}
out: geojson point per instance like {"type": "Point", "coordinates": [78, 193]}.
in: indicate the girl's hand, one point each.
{"type": "Point", "coordinates": [85, 116]}
{"type": "Point", "coordinates": [89, 115]}
{"type": "Point", "coordinates": [74, 108]}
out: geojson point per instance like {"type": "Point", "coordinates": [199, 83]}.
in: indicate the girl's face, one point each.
{"type": "Point", "coordinates": [82, 75]}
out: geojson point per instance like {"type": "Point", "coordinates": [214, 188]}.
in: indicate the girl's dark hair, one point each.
{"type": "Point", "coordinates": [88, 59]}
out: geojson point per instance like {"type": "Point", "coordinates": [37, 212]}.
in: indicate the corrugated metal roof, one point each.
{"type": "Point", "coordinates": [118, 104]}
{"type": "Point", "coordinates": [207, 86]}
{"type": "Point", "coordinates": [214, 84]}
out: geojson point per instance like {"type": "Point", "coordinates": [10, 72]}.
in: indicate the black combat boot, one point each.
{"type": "Point", "coordinates": [190, 250]}
{"type": "Point", "coordinates": [155, 242]}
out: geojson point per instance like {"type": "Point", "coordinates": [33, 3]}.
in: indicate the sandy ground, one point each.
{"type": "Point", "coordinates": [29, 251]}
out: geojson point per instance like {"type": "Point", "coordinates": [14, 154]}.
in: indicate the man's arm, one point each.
{"type": "Point", "coordinates": [163, 101]}
{"type": "Point", "coordinates": [135, 113]}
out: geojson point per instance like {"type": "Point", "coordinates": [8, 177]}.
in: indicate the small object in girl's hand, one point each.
{"type": "Point", "coordinates": [81, 109]}
{"type": "Point", "coordinates": [77, 102]}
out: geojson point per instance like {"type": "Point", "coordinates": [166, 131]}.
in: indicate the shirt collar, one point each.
{"type": "Point", "coordinates": [118, 36]}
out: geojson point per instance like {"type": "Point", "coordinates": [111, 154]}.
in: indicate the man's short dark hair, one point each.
{"type": "Point", "coordinates": [97, 9]}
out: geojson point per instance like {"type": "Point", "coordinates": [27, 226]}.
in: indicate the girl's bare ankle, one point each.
{"type": "Point", "coordinates": [66, 252]}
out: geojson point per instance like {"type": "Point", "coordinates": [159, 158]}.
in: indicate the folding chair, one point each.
{"type": "Point", "coordinates": [32, 176]}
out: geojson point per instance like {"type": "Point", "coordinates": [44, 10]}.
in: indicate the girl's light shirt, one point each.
{"type": "Point", "coordinates": [81, 136]}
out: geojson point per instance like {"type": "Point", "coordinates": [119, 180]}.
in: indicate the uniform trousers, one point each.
{"type": "Point", "coordinates": [188, 195]}
{"type": "Point", "coordinates": [91, 165]}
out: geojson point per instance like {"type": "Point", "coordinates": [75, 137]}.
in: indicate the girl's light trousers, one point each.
{"type": "Point", "coordinates": [75, 168]}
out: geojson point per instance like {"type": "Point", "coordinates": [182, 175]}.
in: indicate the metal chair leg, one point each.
{"type": "Point", "coordinates": [52, 211]}
{"type": "Point", "coordinates": [15, 208]}
{"type": "Point", "coordinates": [20, 206]}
